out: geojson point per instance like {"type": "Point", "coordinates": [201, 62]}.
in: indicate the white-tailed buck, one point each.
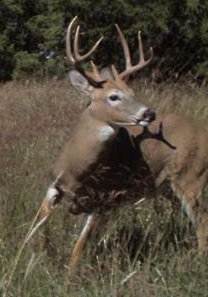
{"type": "Point", "coordinates": [102, 167]}
{"type": "Point", "coordinates": [180, 160]}
{"type": "Point", "coordinates": [185, 168]}
{"type": "Point", "coordinates": [90, 172]}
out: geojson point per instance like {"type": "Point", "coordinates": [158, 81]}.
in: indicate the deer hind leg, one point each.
{"type": "Point", "coordinates": [80, 244]}
{"type": "Point", "coordinates": [194, 205]}
{"type": "Point", "coordinates": [202, 235]}
{"type": "Point", "coordinates": [198, 214]}
{"type": "Point", "coordinates": [202, 224]}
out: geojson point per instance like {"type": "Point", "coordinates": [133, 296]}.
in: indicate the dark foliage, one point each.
{"type": "Point", "coordinates": [177, 30]}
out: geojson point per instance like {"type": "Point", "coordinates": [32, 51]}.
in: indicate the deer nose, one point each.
{"type": "Point", "coordinates": [149, 115]}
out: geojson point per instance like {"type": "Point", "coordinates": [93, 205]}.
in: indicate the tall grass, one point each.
{"type": "Point", "coordinates": [139, 252]}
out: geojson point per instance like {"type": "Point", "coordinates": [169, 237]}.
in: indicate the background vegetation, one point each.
{"type": "Point", "coordinates": [142, 250]}
{"type": "Point", "coordinates": [32, 34]}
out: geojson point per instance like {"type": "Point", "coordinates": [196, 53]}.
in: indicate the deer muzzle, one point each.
{"type": "Point", "coordinates": [145, 116]}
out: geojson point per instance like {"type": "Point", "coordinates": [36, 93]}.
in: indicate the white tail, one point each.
{"type": "Point", "coordinates": [112, 105]}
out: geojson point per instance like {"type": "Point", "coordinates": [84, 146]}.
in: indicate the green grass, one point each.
{"type": "Point", "coordinates": [138, 252]}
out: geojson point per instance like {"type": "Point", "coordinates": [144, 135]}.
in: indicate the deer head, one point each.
{"type": "Point", "coordinates": [111, 100]}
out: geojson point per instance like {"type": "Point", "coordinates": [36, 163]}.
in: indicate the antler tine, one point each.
{"type": "Point", "coordinates": [142, 63]}
{"type": "Point", "coordinates": [68, 41]}
{"type": "Point", "coordinates": [78, 57]}
{"type": "Point", "coordinates": [115, 72]}
{"type": "Point", "coordinates": [141, 50]}
{"type": "Point", "coordinates": [147, 134]}
{"type": "Point", "coordinates": [96, 71]}
{"type": "Point", "coordinates": [125, 47]}
{"type": "Point", "coordinates": [75, 58]}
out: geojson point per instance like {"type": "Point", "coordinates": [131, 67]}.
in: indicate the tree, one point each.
{"type": "Point", "coordinates": [177, 30]}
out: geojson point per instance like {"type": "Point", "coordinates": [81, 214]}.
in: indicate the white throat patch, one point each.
{"type": "Point", "coordinates": [105, 133]}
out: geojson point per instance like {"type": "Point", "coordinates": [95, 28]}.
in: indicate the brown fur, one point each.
{"type": "Point", "coordinates": [104, 175]}
{"type": "Point", "coordinates": [90, 170]}
{"type": "Point", "coordinates": [151, 163]}
{"type": "Point", "coordinates": [186, 168]}
{"type": "Point", "coordinates": [88, 147]}
{"type": "Point", "coordinates": [83, 166]}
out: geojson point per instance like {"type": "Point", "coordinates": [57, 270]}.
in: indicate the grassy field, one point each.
{"type": "Point", "coordinates": [138, 253]}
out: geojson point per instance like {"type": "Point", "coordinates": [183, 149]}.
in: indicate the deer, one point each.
{"type": "Point", "coordinates": [179, 161]}
{"type": "Point", "coordinates": [89, 168]}
{"type": "Point", "coordinates": [183, 169]}
{"type": "Point", "coordinates": [136, 145]}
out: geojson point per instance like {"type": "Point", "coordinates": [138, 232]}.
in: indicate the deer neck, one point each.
{"type": "Point", "coordinates": [87, 142]}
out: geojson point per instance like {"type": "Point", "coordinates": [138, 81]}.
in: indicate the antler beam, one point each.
{"type": "Point", "coordinates": [76, 59]}
{"type": "Point", "coordinates": [129, 67]}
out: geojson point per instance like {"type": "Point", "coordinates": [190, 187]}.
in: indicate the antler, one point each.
{"type": "Point", "coordinates": [76, 59]}
{"type": "Point", "coordinates": [146, 134]}
{"type": "Point", "coordinates": [129, 67]}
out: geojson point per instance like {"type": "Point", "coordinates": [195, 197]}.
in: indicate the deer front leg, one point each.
{"type": "Point", "coordinates": [79, 245]}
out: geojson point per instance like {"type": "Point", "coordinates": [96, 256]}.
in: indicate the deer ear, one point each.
{"type": "Point", "coordinates": [79, 82]}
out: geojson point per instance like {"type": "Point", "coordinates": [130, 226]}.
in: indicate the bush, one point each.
{"type": "Point", "coordinates": [26, 64]}
{"type": "Point", "coordinates": [177, 30]}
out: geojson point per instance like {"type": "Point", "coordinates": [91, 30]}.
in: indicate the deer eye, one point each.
{"type": "Point", "coordinates": [114, 98]}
